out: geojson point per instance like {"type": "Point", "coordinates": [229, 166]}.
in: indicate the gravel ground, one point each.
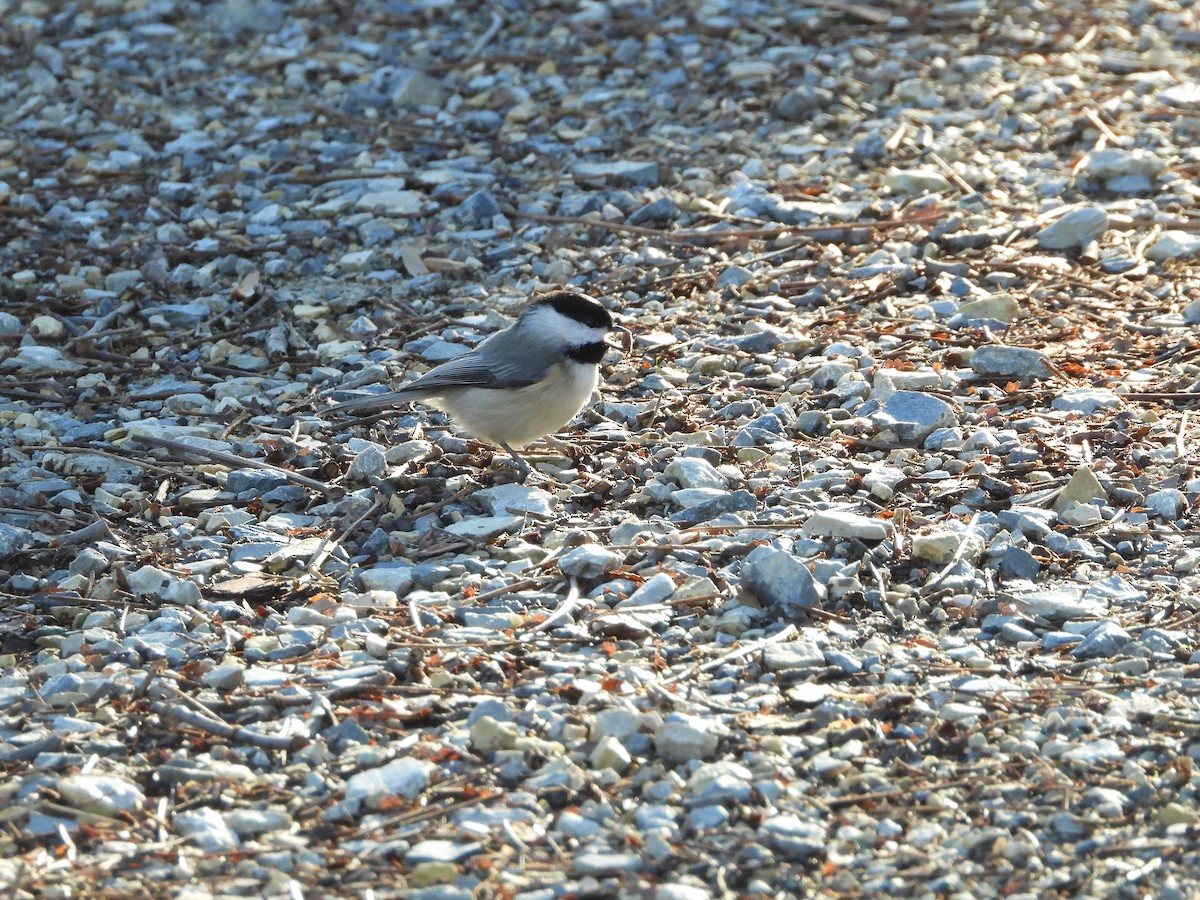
{"type": "Point", "coordinates": [872, 570]}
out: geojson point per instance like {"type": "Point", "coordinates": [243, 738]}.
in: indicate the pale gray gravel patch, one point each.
{"type": "Point", "coordinates": [347, 199]}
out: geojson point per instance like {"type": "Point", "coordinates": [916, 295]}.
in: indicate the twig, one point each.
{"type": "Point", "coordinates": [563, 610]}
{"type": "Point", "coordinates": [691, 236]}
{"type": "Point", "coordinates": [958, 555]}
{"type": "Point", "coordinates": [486, 38]}
{"type": "Point", "coordinates": [241, 462]}
{"type": "Point", "coordinates": [327, 546]}
{"type": "Point", "coordinates": [97, 531]}
{"type": "Point", "coordinates": [776, 638]}
{"type": "Point", "coordinates": [199, 717]}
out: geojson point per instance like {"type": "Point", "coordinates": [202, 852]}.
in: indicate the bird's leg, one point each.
{"type": "Point", "coordinates": [523, 468]}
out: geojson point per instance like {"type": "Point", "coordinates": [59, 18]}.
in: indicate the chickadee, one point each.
{"type": "Point", "coordinates": [520, 384]}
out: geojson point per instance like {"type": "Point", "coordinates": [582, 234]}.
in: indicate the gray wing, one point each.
{"type": "Point", "coordinates": [505, 360]}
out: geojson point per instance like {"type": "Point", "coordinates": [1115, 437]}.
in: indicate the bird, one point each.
{"type": "Point", "coordinates": [520, 384]}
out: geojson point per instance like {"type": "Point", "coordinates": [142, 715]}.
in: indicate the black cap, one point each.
{"type": "Point", "coordinates": [582, 309]}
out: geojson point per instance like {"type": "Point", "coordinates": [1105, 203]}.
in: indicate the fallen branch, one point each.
{"type": "Point", "coordinates": [241, 462]}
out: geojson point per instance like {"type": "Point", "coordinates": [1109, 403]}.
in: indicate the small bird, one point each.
{"type": "Point", "coordinates": [520, 384]}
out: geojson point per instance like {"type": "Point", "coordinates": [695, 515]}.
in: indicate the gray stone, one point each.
{"type": "Point", "coordinates": [996, 360]}
{"type": "Point", "coordinates": [1061, 604]}
{"type": "Point", "coordinates": [589, 561]}
{"type": "Point", "coordinates": [368, 464]}
{"type": "Point", "coordinates": [205, 828]}
{"type": "Point", "coordinates": [801, 103]}
{"type": "Point", "coordinates": [33, 359]}
{"type": "Point", "coordinates": [913, 415]}
{"type": "Point", "coordinates": [663, 211]}
{"type": "Point", "coordinates": [105, 795]}
{"type": "Point", "coordinates": [1076, 228]}
{"type": "Point", "coordinates": [515, 498]}
{"type": "Point", "coordinates": [477, 211]}
{"type": "Point", "coordinates": [1113, 162]}
{"type": "Point", "coordinates": [394, 577]}
{"type": "Point", "coordinates": [406, 777]}
{"type": "Point", "coordinates": [792, 837]}
{"type": "Point", "coordinates": [620, 171]}
{"type": "Point", "coordinates": [410, 89]}
{"type": "Point", "coordinates": [441, 851]}
{"type": "Point", "coordinates": [13, 539]}
{"type": "Point", "coordinates": [485, 528]}
{"type": "Point", "coordinates": [1167, 504]}
{"type": "Point", "coordinates": [916, 181]}
{"type": "Point", "coordinates": [1017, 562]}
{"type": "Point", "coordinates": [737, 501]}
{"type": "Point", "coordinates": [392, 202]}
{"type": "Point", "coordinates": [793, 655]}
{"type": "Point", "coordinates": [734, 276]}
{"type": "Point", "coordinates": [779, 579]}
{"type": "Point", "coordinates": [683, 738]}
{"type": "Point", "coordinates": [599, 862]}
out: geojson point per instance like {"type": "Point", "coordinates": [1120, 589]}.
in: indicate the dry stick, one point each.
{"type": "Point", "coordinates": [563, 610]}
{"type": "Point", "coordinates": [326, 547]}
{"type": "Point", "coordinates": [421, 815]}
{"type": "Point", "coordinates": [685, 236]}
{"type": "Point", "coordinates": [97, 531]}
{"type": "Point", "coordinates": [486, 38]}
{"type": "Point", "coordinates": [958, 554]}
{"type": "Point", "coordinates": [1183, 424]}
{"type": "Point", "coordinates": [232, 459]}
{"type": "Point", "coordinates": [103, 322]}
{"type": "Point", "coordinates": [108, 454]}
{"type": "Point", "coordinates": [199, 717]}
{"type": "Point", "coordinates": [959, 181]}
{"type": "Point", "coordinates": [780, 636]}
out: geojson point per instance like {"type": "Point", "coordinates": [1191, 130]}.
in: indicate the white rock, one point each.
{"type": "Point", "coordinates": [485, 528]}
{"type": "Point", "coordinates": [1113, 162]}
{"type": "Point", "coordinates": [33, 359]}
{"type": "Point", "coordinates": [205, 828]}
{"type": "Point", "coordinates": [1168, 503]}
{"type": "Point", "coordinates": [405, 777]}
{"type": "Point", "coordinates": [589, 561]}
{"type": "Point", "coordinates": [693, 472]}
{"type": "Point", "coordinates": [1174, 245]}
{"type": "Point", "coordinates": [840, 523]}
{"type": "Point", "coordinates": [1076, 228]}
{"type": "Point", "coordinates": [489, 735]}
{"type": "Point", "coordinates": [610, 753]}
{"type": "Point", "coordinates": [617, 723]}
{"type": "Point", "coordinates": [939, 545]}
{"type": "Point", "coordinates": [1086, 400]}
{"type": "Point", "coordinates": [396, 578]}
{"type": "Point", "coordinates": [777, 577]}
{"type": "Point", "coordinates": [916, 181]}
{"type": "Point", "coordinates": [393, 203]}
{"type": "Point", "coordinates": [103, 794]}
{"type": "Point", "coordinates": [249, 822]}
{"type": "Point", "coordinates": [369, 463]}
{"type": "Point", "coordinates": [683, 738]}
{"type": "Point", "coordinates": [510, 499]}
{"type": "Point", "coordinates": [225, 677]}
{"type": "Point", "coordinates": [1083, 487]}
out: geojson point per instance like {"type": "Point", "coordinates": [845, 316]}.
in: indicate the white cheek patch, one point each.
{"type": "Point", "coordinates": [554, 325]}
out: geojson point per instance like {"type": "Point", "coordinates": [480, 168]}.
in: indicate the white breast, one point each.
{"type": "Point", "coordinates": [518, 416]}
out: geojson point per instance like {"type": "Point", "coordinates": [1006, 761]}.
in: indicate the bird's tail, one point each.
{"type": "Point", "coordinates": [372, 402]}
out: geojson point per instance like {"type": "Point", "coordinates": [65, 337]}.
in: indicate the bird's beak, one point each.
{"type": "Point", "coordinates": [626, 346]}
